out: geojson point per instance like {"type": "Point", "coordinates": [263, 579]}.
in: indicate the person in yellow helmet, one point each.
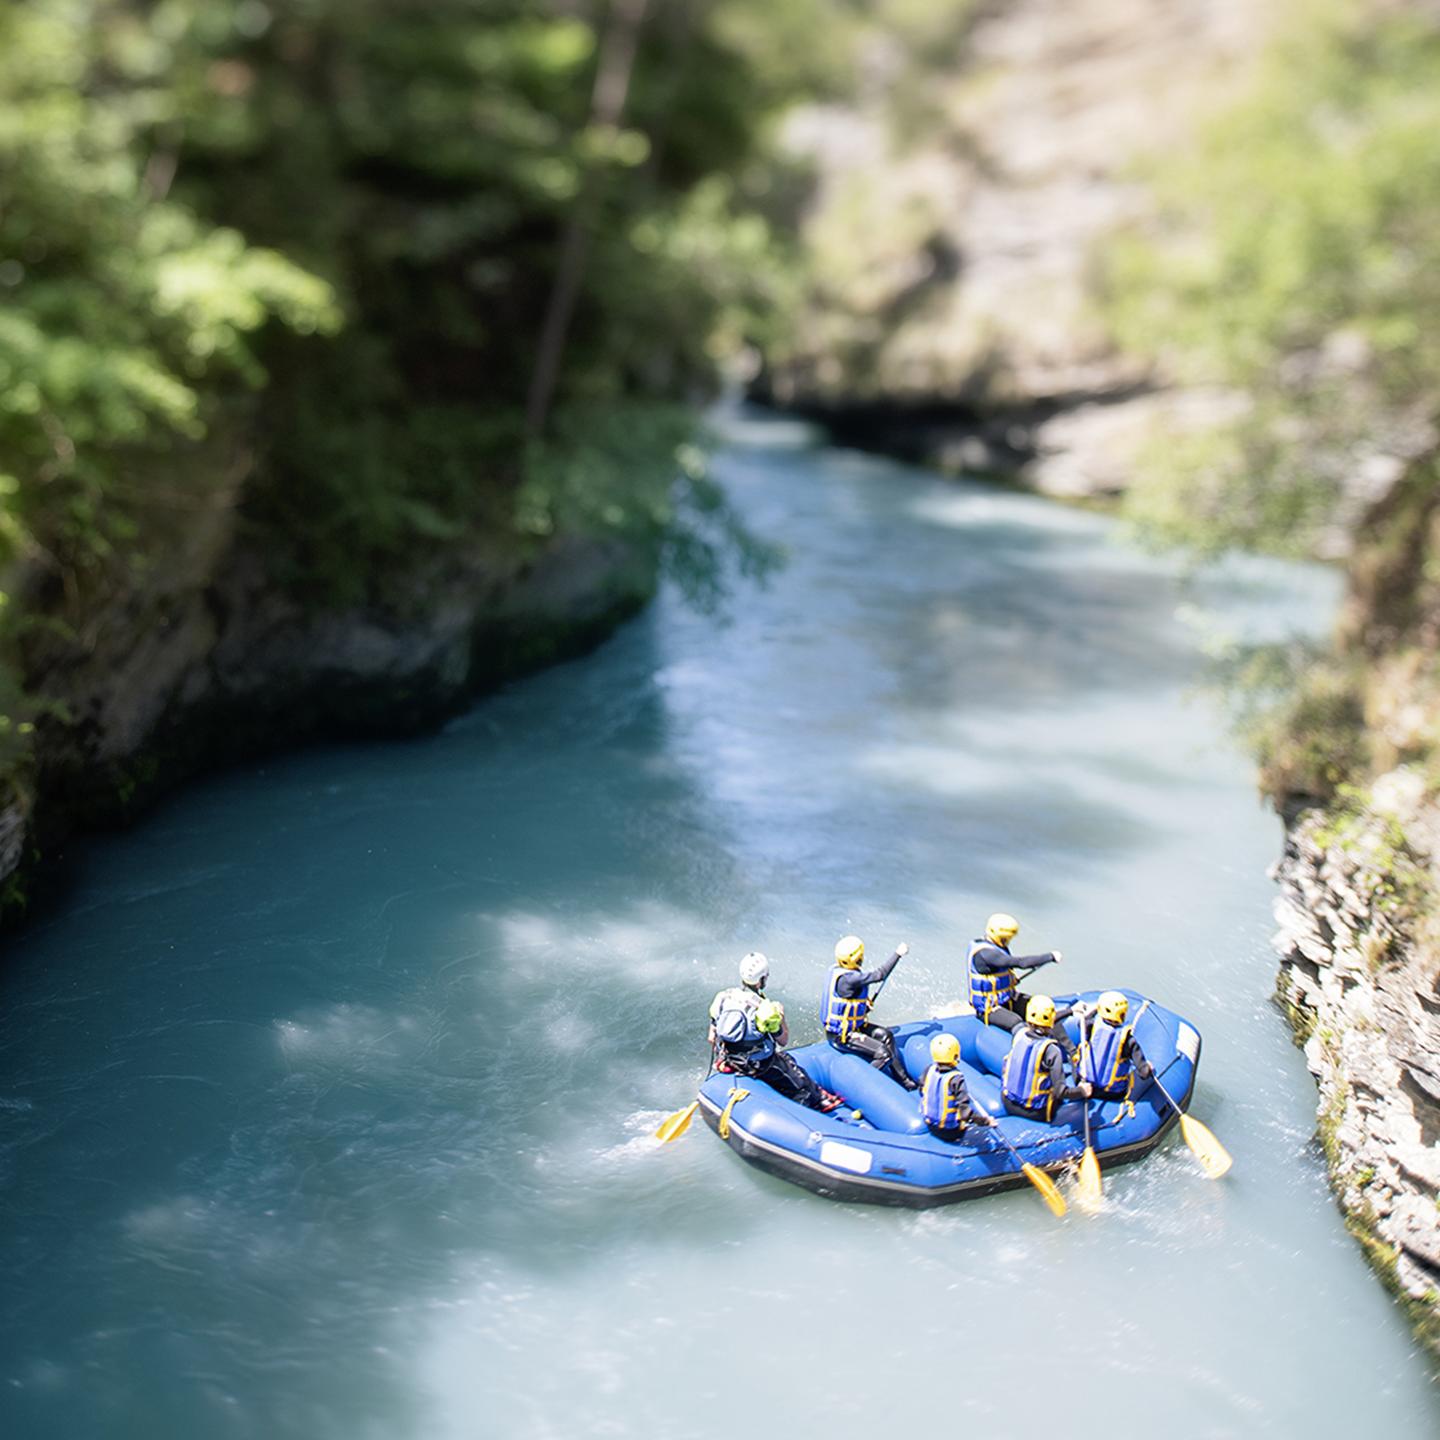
{"type": "Point", "coordinates": [845, 1008]}
{"type": "Point", "coordinates": [1033, 1081]}
{"type": "Point", "coordinates": [945, 1103]}
{"type": "Point", "coordinates": [1110, 1056]}
{"type": "Point", "coordinates": [995, 993]}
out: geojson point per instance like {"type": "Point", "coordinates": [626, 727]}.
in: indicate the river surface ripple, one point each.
{"type": "Point", "coordinates": [325, 1099]}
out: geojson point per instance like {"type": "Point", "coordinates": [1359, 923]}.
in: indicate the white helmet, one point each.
{"type": "Point", "coordinates": [754, 970]}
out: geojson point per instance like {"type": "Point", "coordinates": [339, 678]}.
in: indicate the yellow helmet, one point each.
{"type": "Point", "coordinates": [1113, 1006]}
{"type": "Point", "coordinates": [945, 1050]}
{"type": "Point", "coordinates": [1040, 1012]}
{"type": "Point", "coordinates": [770, 1017]}
{"type": "Point", "coordinates": [849, 952]}
{"type": "Point", "coordinates": [1001, 929]}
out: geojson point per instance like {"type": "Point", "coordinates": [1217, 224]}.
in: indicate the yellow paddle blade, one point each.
{"type": "Point", "coordinates": [1214, 1158]}
{"type": "Point", "coordinates": [1090, 1191]}
{"type": "Point", "coordinates": [723, 1126]}
{"type": "Point", "coordinates": [672, 1127]}
{"type": "Point", "coordinates": [1046, 1186]}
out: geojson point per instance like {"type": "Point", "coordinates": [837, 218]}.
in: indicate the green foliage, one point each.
{"type": "Point", "coordinates": [875, 255]}
{"type": "Point", "coordinates": [609, 473]}
{"type": "Point", "coordinates": [15, 730]}
{"type": "Point", "coordinates": [442, 151]}
{"type": "Point", "coordinates": [1298, 261]}
{"type": "Point", "coordinates": [1301, 711]}
{"type": "Point", "coordinates": [294, 256]}
{"type": "Point", "coordinates": [1332, 1116]}
{"type": "Point", "coordinates": [127, 318]}
{"type": "Point", "coordinates": [1363, 1224]}
{"type": "Point", "coordinates": [129, 323]}
{"type": "Point", "coordinates": [1393, 876]}
{"type": "Point", "coordinates": [193, 192]}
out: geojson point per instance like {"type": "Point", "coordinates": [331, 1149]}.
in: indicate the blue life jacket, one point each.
{"type": "Point", "coordinates": [987, 992]}
{"type": "Point", "coordinates": [1103, 1059]}
{"type": "Point", "coordinates": [943, 1100]}
{"type": "Point", "coordinates": [839, 1014]}
{"type": "Point", "coordinates": [1025, 1079]}
{"type": "Point", "coordinates": [739, 1037]}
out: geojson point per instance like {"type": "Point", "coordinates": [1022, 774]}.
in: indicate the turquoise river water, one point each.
{"type": "Point", "coordinates": [326, 1097]}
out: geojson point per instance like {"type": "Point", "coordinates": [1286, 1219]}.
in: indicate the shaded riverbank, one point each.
{"type": "Point", "coordinates": [209, 662]}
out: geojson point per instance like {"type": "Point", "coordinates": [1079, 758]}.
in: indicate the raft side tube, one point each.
{"type": "Point", "coordinates": [868, 1174]}
{"type": "Point", "coordinates": [889, 1157]}
{"type": "Point", "coordinates": [884, 1103]}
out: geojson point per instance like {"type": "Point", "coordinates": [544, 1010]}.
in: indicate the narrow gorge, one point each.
{"type": "Point", "coordinates": [964, 314]}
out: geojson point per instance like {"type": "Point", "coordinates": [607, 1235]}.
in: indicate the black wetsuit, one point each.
{"type": "Point", "coordinates": [872, 1042]}
{"type": "Point", "coordinates": [777, 1070]}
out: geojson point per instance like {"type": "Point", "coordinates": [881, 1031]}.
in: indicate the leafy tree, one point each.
{"type": "Point", "coordinates": [128, 320]}
{"type": "Point", "coordinates": [1297, 261]}
{"type": "Point", "coordinates": [294, 256]}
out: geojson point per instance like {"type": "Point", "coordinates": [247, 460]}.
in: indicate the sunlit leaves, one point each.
{"type": "Point", "coordinates": [125, 313]}
{"type": "Point", "coordinates": [1299, 260]}
{"type": "Point", "coordinates": [187, 187]}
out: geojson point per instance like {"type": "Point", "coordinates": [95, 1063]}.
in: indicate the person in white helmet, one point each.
{"type": "Point", "coordinates": [747, 1044]}
{"type": "Point", "coordinates": [747, 995]}
{"type": "Point", "coordinates": [749, 1034]}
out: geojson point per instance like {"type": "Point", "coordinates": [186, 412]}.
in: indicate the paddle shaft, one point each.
{"type": "Point", "coordinates": [678, 1123]}
{"type": "Point", "coordinates": [883, 983]}
{"type": "Point", "coordinates": [880, 985]}
{"type": "Point", "coordinates": [1161, 1088]}
{"type": "Point", "coordinates": [1000, 1135]}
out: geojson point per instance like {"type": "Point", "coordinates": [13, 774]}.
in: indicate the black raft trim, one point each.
{"type": "Point", "coordinates": [857, 1189]}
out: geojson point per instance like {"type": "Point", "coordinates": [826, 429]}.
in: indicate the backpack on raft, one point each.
{"type": "Point", "coordinates": [739, 1042]}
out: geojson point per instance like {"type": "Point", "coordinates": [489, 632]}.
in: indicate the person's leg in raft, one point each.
{"type": "Point", "coordinates": [785, 1076]}
{"type": "Point", "coordinates": [1009, 1017]}
{"type": "Point", "coordinates": [877, 1045]}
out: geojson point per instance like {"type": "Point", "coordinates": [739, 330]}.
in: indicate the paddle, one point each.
{"type": "Point", "coordinates": [1090, 1192]}
{"type": "Point", "coordinates": [672, 1127]}
{"type": "Point", "coordinates": [1214, 1158]}
{"type": "Point", "coordinates": [1034, 1174]}
{"type": "Point", "coordinates": [903, 948]}
{"type": "Point", "coordinates": [895, 1049]}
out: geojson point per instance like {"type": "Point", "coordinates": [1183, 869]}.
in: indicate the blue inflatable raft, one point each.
{"type": "Point", "coordinates": [887, 1156]}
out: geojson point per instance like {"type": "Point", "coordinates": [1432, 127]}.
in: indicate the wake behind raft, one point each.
{"type": "Point", "coordinates": [877, 1149]}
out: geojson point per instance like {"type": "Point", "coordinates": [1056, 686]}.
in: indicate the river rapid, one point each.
{"type": "Point", "coordinates": [326, 1097]}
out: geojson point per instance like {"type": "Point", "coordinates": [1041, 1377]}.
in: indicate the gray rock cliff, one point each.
{"type": "Point", "coordinates": [205, 660]}
{"type": "Point", "coordinates": [1359, 979]}
{"type": "Point", "coordinates": [953, 316]}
